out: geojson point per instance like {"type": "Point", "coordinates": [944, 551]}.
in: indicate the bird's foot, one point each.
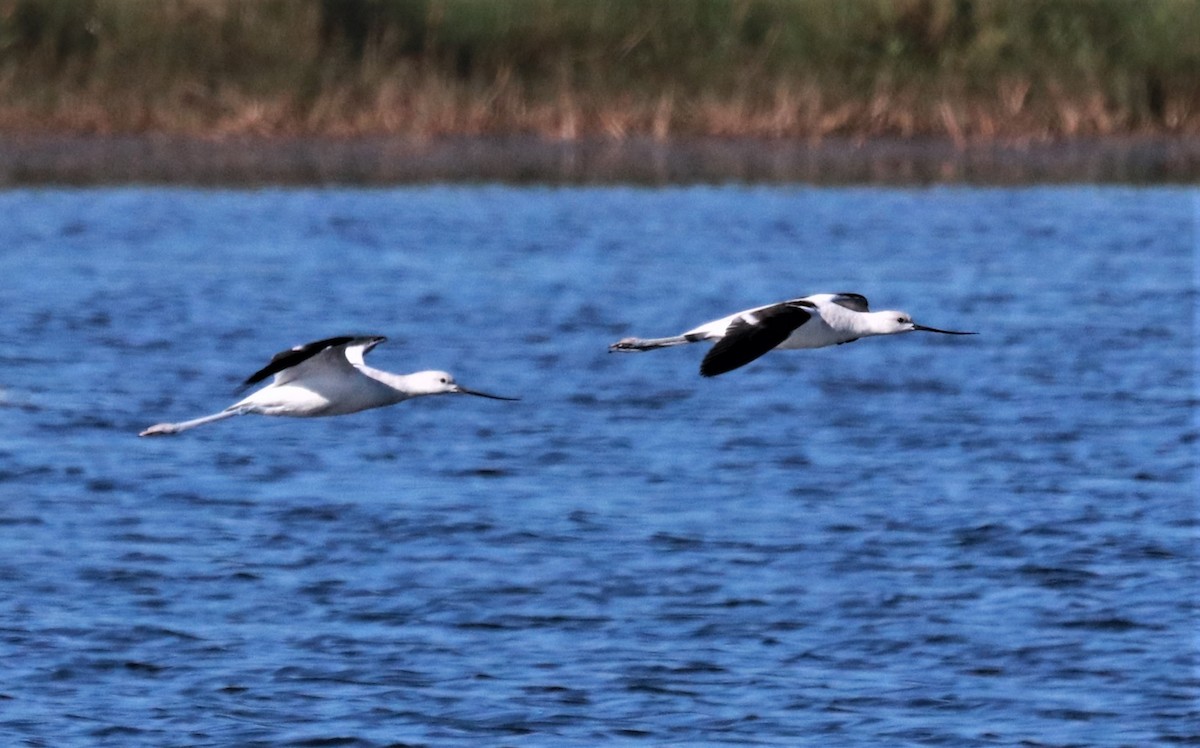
{"type": "Point", "coordinates": [628, 344]}
{"type": "Point", "coordinates": [160, 429]}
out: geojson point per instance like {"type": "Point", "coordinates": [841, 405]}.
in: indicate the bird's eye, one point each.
{"type": "Point", "coordinates": [901, 320]}
{"type": "Point", "coordinates": [443, 380]}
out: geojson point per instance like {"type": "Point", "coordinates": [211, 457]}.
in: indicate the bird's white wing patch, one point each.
{"type": "Point", "coordinates": [330, 361]}
{"type": "Point", "coordinates": [309, 359]}
{"type": "Point", "coordinates": [356, 351]}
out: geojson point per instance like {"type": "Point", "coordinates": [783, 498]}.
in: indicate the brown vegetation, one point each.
{"type": "Point", "coordinates": [962, 69]}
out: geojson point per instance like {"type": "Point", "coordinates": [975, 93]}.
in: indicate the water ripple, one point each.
{"type": "Point", "coordinates": [986, 541]}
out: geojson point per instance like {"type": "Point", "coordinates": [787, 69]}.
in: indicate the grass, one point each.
{"type": "Point", "coordinates": [963, 69]}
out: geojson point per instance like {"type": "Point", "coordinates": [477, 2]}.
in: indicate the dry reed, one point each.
{"type": "Point", "coordinates": [961, 69]}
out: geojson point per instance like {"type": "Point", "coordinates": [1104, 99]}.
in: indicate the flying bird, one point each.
{"type": "Point", "coordinates": [810, 322]}
{"type": "Point", "coordinates": [327, 378]}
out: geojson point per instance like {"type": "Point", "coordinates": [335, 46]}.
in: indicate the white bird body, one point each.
{"type": "Point", "coordinates": [327, 378]}
{"type": "Point", "coordinates": [834, 324]}
{"type": "Point", "coordinates": [813, 321]}
{"type": "Point", "coordinates": [333, 382]}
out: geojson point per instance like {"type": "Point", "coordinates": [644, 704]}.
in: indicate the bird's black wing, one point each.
{"type": "Point", "coordinates": [852, 301]}
{"type": "Point", "coordinates": [753, 334]}
{"type": "Point", "coordinates": [298, 355]}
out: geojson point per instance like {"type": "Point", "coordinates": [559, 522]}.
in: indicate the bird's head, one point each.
{"type": "Point", "coordinates": [891, 322]}
{"type": "Point", "coordinates": [442, 383]}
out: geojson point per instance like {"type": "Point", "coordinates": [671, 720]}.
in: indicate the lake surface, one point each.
{"type": "Point", "coordinates": [923, 540]}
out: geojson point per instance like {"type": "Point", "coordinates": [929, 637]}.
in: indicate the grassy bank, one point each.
{"type": "Point", "coordinates": [964, 69]}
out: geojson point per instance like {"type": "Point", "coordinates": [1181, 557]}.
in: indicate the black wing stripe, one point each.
{"type": "Point", "coordinates": [852, 301]}
{"type": "Point", "coordinates": [745, 341]}
{"type": "Point", "coordinates": [293, 356]}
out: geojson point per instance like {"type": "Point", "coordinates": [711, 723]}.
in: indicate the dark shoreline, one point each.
{"type": "Point", "coordinates": [30, 160]}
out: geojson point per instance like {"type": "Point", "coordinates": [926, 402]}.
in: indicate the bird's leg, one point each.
{"type": "Point", "coordinates": [163, 429]}
{"type": "Point", "coordinates": [647, 344]}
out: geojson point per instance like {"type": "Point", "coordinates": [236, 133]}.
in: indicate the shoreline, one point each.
{"type": "Point", "coordinates": [81, 160]}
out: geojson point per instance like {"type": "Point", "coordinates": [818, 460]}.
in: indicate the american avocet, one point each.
{"type": "Point", "coordinates": [811, 322]}
{"type": "Point", "coordinates": [327, 378]}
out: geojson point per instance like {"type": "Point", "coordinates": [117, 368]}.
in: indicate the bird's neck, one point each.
{"type": "Point", "coordinates": [397, 383]}
{"type": "Point", "coordinates": [873, 323]}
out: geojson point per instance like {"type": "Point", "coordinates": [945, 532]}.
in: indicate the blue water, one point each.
{"type": "Point", "coordinates": [924, 540]}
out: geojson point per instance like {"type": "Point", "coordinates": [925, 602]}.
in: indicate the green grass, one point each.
{"type": "Point", "coordinates": [568, 68]}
